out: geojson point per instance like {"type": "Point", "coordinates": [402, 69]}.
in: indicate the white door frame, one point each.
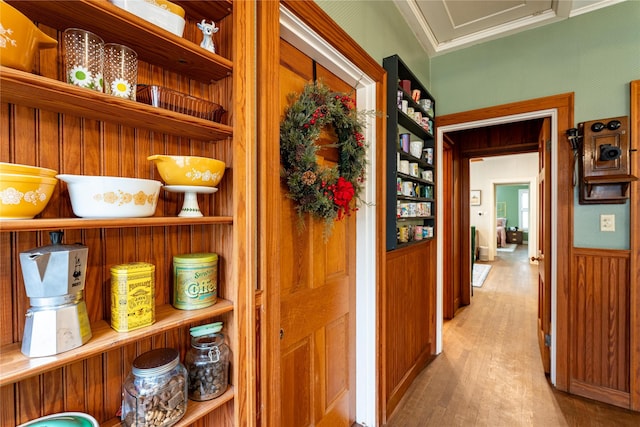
{"type": "Point", "coordinates": [440, 131]}
{"type": "Point", "coordinates": [294, 31]}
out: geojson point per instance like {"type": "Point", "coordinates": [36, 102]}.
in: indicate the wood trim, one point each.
{"type": "Point", "coordinates": [269, 220]}
{"type": "Point", "coordinates": [381, 251]}
{"type": "Point", "coordinates": [563, 103]}
{"type": "Point", "coordinates": [244, 270]}
{"type": "Point", "coordinates": [610, 396]}
{"type": "Point", "coordinates": [313, 16]}
{"type": "Point", "coordinates": [634, 202]}
{"type": "Point", "coordinates": [464, 231]}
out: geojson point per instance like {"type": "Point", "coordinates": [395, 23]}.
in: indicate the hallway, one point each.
{"type": "Point", "coordinates": [490, 373]}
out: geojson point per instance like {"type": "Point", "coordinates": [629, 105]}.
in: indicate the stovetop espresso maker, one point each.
{"type": "Point", "coordinates": [54, 278]}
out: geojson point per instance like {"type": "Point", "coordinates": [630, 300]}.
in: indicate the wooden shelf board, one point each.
{"type": "Point", "coordinates": [15, 366]}
{"type": "Point", "coordinates": [115, 25]}
{"type": "Point", "coordinates": [84, 223]}
{"type": "Point", "coordinates": [413, 242]}
{"type": "Point", "coordinates": [195, 410]}
{"type": "Point", "coordinates": [420, 162]}
{"type": "Point", "coordinates": [407, 218]}
{"type": "Point", "coordinates": [211, 10]}
{"type": "Point", "coordinates": [610, 179]}
{"type": "Point", "coordinates": [35, 91]}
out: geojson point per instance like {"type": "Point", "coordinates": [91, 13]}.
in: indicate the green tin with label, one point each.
{"type": "Point", "coordinates": [195, 280]}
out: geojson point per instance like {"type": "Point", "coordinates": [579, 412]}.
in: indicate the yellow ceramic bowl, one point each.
{"type": "Point", "coordinates": [24, 196]}
{"type": "Point", "coordinates": [189, 170]}
{"type": "Point", "coordinates": [171, 7]}
{"type": "Point", "coordinates": [21, 39]}
{"type": "Point", "coordinates": [26, 170]}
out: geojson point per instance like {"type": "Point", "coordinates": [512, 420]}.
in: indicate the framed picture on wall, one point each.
{"type": "Point", "coordinates": [475, 198]}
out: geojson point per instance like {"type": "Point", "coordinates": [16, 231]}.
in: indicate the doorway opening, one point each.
{"type": "Point", "coordinates": [464, 190]}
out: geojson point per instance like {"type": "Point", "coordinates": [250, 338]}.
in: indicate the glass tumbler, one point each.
{"type": "Point", "coordinates": [84, 58]}
{"type": "Point", "coordinates": [120, 70]}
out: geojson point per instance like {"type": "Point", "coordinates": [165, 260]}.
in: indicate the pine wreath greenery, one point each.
{"type": "Point", "coordinates": [326, 193]}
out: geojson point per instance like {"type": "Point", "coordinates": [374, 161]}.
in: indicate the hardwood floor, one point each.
{"type": "Point", "coordinates": [490, 373]}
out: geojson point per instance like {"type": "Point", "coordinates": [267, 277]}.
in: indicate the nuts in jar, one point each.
{"type": "Point", "coordinates": [155, 392]}
{"type": "Point", "coordinates": [207, 362]}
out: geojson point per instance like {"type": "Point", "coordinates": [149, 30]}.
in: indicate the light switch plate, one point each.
{"type": "Point", "coordinates": [607, 223]}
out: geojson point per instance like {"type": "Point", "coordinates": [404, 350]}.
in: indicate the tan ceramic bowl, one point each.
{"type": "Point", "coordinates": [24, 196]}
{"type": "Point", "coordinates": [189, 170]}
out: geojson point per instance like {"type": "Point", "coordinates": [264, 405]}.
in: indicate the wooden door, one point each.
{"type": "Point", "coordinates": [317, 290]}
{"type": "Point", "coordinates": [544, 244]}
{"type": "Point", "coordinates": [450, 275]}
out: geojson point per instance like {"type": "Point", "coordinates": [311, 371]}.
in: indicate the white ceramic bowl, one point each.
{"type": "Point", "coordinates": [111, 196]}
{"type": "Point", "coordinates": [157, 15]}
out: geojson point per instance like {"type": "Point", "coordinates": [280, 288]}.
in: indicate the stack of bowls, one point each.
{"type": "Point", "coordinates": [24, 190]}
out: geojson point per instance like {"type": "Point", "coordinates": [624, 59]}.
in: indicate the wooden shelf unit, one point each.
{"type": "Point", "coordinates": [398, 123]}
{"type": "Point", "coordinates": [115, 25]}
{"type": "Point", "coordinates": [43, 93]}
{"type": "Point", "coordinates": [44, 224]}
{"type": "Point", "coordinates": [16, 366]}
{"type": "Point", "coordinates": [50, 123]}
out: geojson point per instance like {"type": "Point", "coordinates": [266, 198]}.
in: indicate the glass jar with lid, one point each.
{"type": "Point", "coordinates": [207, 362]}
{"type": "Point", "coordinates": [155, 392]}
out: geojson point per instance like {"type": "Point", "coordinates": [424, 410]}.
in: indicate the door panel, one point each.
{"type": "Point", "coordinates": [317, 303]}
{"type": "Point", "coordinates": [544, 244]}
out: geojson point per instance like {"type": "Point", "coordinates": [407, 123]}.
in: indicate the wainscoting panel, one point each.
{"type": "Point", "coordinates": [599, 325]}
{"type": "Point", "coordinates": [409, 304]}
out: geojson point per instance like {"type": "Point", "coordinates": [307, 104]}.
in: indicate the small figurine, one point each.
{"type": "Point", "coordinates": [207, 32]}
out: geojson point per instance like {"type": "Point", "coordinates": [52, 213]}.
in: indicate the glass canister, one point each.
{"type": "Point", "coordinates": [207, 362]}
{"type": "Point", "coordinates": [155, 392]}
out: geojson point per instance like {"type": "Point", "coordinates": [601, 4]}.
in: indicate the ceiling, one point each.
{"type": "Point", "coordinates": [445, 25]}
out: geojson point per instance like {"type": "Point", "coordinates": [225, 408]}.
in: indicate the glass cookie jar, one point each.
{"type": "Point", "coordinates": [155, 392]}
{"type": "Point", "coordinates": [207, 362]}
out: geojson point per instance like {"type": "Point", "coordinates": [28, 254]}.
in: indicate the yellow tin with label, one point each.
{"type": "Point", "coordinates": [132, 296]}
{"type": "Point", "coordinates": [195, 280]}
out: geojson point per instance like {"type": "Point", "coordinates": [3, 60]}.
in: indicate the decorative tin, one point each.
{"type": "Point", "coordinates": [132, 296]}
{"type": "Point", "coordinates": [195, 280]}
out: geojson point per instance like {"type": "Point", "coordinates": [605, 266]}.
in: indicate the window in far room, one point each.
{"type": "Point", "coordinates": [523, 209]}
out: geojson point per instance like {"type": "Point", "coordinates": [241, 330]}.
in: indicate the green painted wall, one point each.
{"type": "Point", "coordinates": [594, 55]}
{"type": "Point", "coordinates": [379, 28]}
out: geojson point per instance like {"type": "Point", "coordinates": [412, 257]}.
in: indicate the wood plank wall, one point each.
{"type": "Point", "coordinates": [409, 317]}
{"type": "Point", "coordinates": [74, 145]}
{"type": "Point", "coordinates": [599, 327]}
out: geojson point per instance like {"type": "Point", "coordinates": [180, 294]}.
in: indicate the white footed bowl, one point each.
{"type": "Point", "coordinates": [111, 196]}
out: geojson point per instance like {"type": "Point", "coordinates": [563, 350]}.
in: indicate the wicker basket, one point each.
{"type": "Point", "coordinates": [178, 102]}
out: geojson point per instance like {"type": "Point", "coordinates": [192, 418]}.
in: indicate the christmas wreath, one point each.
{"type": "Point", "coordinates": [326, 193]}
